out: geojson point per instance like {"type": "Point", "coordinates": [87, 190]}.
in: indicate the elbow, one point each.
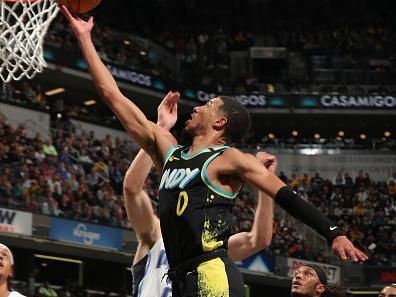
{"type": "Point", "coordinates": [130, 189]}
{"type": "Point", "coordinates": [108, 91]}
{"type": "Point", "coordinates": [109, 94]}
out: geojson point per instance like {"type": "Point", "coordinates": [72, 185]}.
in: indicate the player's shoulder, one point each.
{"type": "Point", "coordinates": [15, 294]}
{"type": "Point", "coordinates": [234, 155]}
{"type": "Point", "coordinates": [230, 160]}
{"type": "Point", "coordinates": [231, 151]}
{"type": "Point", "coordinates": [234, 159]}
{"type": "Point", "coordinates": [164, 140]}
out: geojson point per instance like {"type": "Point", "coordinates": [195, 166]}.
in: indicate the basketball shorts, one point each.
{"type": "Point", "coordinates": [218, 277]}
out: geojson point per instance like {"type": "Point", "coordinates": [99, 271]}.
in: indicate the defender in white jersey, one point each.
{"type": "Point", "coordinates": [7, 272]}
{"type": "Point", "coordinates": [148, 274]}
{"type": "Point", "coordinates": [150, 264]}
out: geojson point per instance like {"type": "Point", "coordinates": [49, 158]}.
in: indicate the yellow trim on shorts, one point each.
{"type": "Point", "coordinates": [213, 279]}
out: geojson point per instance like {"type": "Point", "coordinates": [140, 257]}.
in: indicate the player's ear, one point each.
{"type": "Point", "coordinates": [220, 123]}
{"type": "Point", "coordinates": [11, 274]}
{"type": "Point", "coordinates": [320, 289]}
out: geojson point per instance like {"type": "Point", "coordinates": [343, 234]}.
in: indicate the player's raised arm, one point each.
{"type": "Point", "coordinates": [149, 136]}
{"type": "Point", "coordinates": [249, 169]}
{"type": "Point", "coordinates": [138, 205]}
{"type": "Point", "coordinates": [137, 202]}
{"type": "Point", "coordinates": [244, 244]}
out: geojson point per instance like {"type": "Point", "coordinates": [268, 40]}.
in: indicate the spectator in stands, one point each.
{"type": "Point", "coordinates": [367, 179]}
{"type": "Point", "coordinates": [392, 189]}
{"type": "Point", "coordinates": [46, 291]}
{"type": "Point", "coordinates": [348, 181]}
{"type": "Point", "coordinates": [360, 179]}
{"type": "Point", "coordinates": [282, 176]}
{"type": "Point", "coordinates": [316, 182]}
{"type": "Point", "coordinates": [294, 182]}
{"type": "Point", "coordinates": [49, 149]}
{"type": "Point", "coordinates": [339, 180]}
{"type": "Point", "coordinates": [297, 250]}
{"type": "Point", "coordinates": [359, 210]}
{"type": "Point", "coordinates": [392, 178]}
{"type": "Point", "coordinates": [305, 182]}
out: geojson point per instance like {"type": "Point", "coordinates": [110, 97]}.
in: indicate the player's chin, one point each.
{"type": "Point", "coordinates": [189, 126]}
{"type": "Point", "coordinates": [296, 289]}
{"type": "Point", "coordinates": [296, 292]}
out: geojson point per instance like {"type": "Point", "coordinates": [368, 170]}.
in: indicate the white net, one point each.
{"type": "Point", "coordinates": [23, 25]}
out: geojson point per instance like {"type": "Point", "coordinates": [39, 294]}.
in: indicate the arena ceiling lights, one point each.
{"type": "Point", "coordinates": [90, 102]}
{"type": "Point", "coordinates": [55, 92]}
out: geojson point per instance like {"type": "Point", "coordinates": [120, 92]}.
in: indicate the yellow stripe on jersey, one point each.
{"type": "Point", "coordinates": [212, 279]}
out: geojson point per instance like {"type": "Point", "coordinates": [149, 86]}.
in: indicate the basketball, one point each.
{"type": "Point", "coordinates": [79, 6]}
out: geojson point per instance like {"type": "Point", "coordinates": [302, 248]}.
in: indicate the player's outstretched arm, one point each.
{"type": "Point", "coordinates": [137, 203]}
{"type": "Point", "coordinates": [149, 136]}
{"type": "Point", "coordinates": [249, 169]}
{"type": "Point", "coordinates": [245, 244]}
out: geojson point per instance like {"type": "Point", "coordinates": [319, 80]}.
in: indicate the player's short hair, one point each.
{"type": "Point", "coordinates": [393, 285]}
{"type": "Point", "coordinates": [329, 292]}
{"type": "Point", "coordinates": [238, 119]}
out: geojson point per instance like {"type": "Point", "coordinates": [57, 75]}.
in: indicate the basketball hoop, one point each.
{"type": "Point", "coordinates": [23, 25]}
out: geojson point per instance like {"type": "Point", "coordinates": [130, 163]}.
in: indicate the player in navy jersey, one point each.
{"type": "Point", "coordinates": [199, 183]}
{"type": "Point", "coordinates": [150, 263]}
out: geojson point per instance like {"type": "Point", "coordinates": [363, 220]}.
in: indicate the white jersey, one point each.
{"type": "Point", "coordinates": [149, 274]}
{"type": "Point", "coordinates": [15, 294]}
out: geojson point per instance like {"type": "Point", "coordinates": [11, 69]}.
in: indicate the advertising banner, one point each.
{"type": "Point", "coordinates": [86, 234]}
{"type": "Point", "coordinates": [379, 275]}
{"type": "Point", "coordinates": [13, 221]}
{"type": "Point", "coordinates": [259, 262]}
{"type": "Point", "coordinates": [252, 100]}
{"type": "Point", "coordinates": [346, 101]}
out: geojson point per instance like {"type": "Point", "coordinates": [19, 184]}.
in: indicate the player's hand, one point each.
{"type": "Point", "coordinates": [269, 161]}
{"type": "Point", "coordinates": [78, 25]}
{"type": "Point", "coordinates": [344, 248]}
{"type": "Point", "coordinates": [167, 110]}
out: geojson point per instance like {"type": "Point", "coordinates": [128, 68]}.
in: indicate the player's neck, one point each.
{"type": "Point", "coordinates": [203, 141]}
{"type": "Point", "coordinates": [4, 288]}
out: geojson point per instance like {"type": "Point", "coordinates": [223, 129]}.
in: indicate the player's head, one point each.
{"type": "Point", "coordinates": [223, 114]}
{"type": "Point", "coordinates": [309, 281]}
{"type": "Point", "coordinates": [6, 264]}
{"type": "Point", "coordinates": [388, 291]}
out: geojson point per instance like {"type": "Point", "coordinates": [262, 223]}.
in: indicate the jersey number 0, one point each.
{"type": "Point", "coordinates": [182, 202]}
